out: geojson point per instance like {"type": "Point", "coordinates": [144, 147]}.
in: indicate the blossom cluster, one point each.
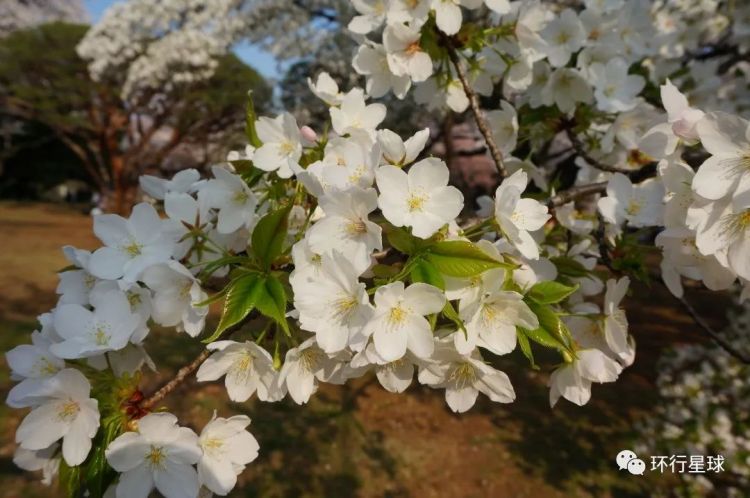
{"type": "Point", "coordinates": [429, 296]}
{"type": "Point", "coordinates": [347, 252]}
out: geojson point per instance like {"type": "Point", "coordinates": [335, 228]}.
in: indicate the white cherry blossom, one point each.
{"type": "Point", "coordinates": [305, 366]}
{"type": "Point", "coordinates": [573, 380]}
{"type": "Point", "coordinates": [248, 368]}
{"type": "Point", "coordinates": [405, 55]}
{"type": "Point", "coordinates": [492, 320]}
{"type": "Point", "coordinates": [176, 296]}
{"type": "Point", "coordinates": [159, 455]}
{"type": "Point", "coordinates": [282, 147]}
{"type": "Point", "coordinates": [64, 410]}
{"type": "Point", "coordinates": [355, 115]}
{"type": "Point", "coordinates": [640, 205]}
{"type": "Point", "coordinates": [132, 245]}
{"type": "Point", "coordinates": [614, 89]}
{"type": "Point", "coordinates": [464, 376]}
{"type": "Point", "coordinates": [231, 196]}
{"type": "Point", "coordinates": [227, 448]}
{"type": "Point", "coordinates": [516, 217]}
{"type": "Point", "coordinates": [420, 199]}
{"type": "Point", "coordinates": [399, 322]}
{"type": "Point", "coordinates": [333, 303]}
{"type": "Point", "coordinates": [86, 333]}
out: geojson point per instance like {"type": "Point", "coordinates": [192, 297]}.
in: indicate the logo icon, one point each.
{"type": "Point", "coordinates": [628, 460]}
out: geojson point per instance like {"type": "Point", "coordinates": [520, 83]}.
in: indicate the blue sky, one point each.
{"type": "Point", "coordinates": [261, 60]}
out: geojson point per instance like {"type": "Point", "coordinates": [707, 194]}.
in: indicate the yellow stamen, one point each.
{"type": "Point", "coordinates": [156, 457]}
{"type": "Point", "coordinates": [68, 410]}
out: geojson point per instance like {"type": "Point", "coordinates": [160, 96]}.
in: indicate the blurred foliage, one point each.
{"type": "Point", "coordinates": [49, 103]}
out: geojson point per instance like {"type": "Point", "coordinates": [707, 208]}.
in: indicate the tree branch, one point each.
{"type": "Point", "coordinates": [482, 124]}
{"type": "Point", "coordinates": [581, 151]}
{"type": "Point", "coordinates": [182, 374]}
{"type": "Point", "coordinates": [723, 343]}
{"type": "Point", "coordinates": [574, 193]}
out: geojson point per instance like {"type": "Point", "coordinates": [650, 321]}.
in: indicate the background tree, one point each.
{"type": "Point", "coordinates": [43, 81]}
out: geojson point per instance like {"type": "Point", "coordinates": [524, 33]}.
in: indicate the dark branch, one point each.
{"type": "Point", "coordinates": [574, 193]}
{"type": "Point", "coordinates": [482, 124]}
{"type": "Point", "coordinates": [717, 338]}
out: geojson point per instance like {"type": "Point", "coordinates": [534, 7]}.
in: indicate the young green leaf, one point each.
{"type": "Point", "coordinates": [458, 258]}
{"type": "Point", "coordinates": [269, 235]}
{"type": "Point", "coordinates": [550, 292]}
{"type": "Point", "coordinates": [250, 118]}
{"type": "Point", "coordinates": [451, 314]}
{"type": "Point", "coordinates": [542, 336]}
{"type": "Point", "coordinates": [569, 267]}
{"type": "Point", "coordinates": [523, 342]}
{"type": "Point", "coordinates": [424, 271]}
{"type": "Point", "coordinates": [401, 240]}
{"type": "Point", "coordinates": [552, 326]}
{"type": "Point", "coordinates": [242, 297]}
{"type": "Point", "coordinates": [272, 302]}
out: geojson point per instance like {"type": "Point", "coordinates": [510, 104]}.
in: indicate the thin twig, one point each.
{"type": "Point", "coordinates": [723, 343]}
{"type": "Point", "coordinates": [182, 374]}
{"type": "Point", "coordinates": [574, 193]}
{"type": "Point", "coordinates": [482, 124]}
{"type": "Point", "coordinates": [581, 151]}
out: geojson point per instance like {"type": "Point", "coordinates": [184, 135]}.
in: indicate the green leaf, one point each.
{"type": "Point", "coordinates": [401, 240]}
{"type": "Point", "coordinates": [272, 302]}
{"type": "Point", "coordinates": [552, 332]}
{"type": "Point", "coordinates": [250, 118]}
{"type": "Point", "coordinates": [523, 342]}
{"type": "Point", "coordinates": [458, 258]}
{"type": "Point", "coordinates": [242, 297]}
{"type": "Point", "coordinates": [569, 267]}
{"type": "Point", "coordinates": [424, 271]}
{"type": "Point", "coordinates": [70, 479]}
{"type": "Point", "coordinates": [99, 475]}
{"type": "Point", "coordinates": [550, 292]}
{"type": "Point", "coordinates": [451, 314]}
{"type": "Point", "coordinates": [214, 265]}
{"type": "Point", "coordinates": [269, 235]}
{"type": "Point", "coordinates": [541, 336]}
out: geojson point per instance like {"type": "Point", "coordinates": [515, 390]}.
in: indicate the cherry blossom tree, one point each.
{"type": "Point", "coordinates": [343, 251]}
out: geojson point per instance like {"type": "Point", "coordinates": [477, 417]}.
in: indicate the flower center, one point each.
{"type": "Point", "coordinates": [101, 334]}
{"type": "Point", "coordinates": [156, 457]}
{"type": "Point", "coordinates": [242, 365]}
{"type": "Point", "coordinates": [286, 148]}
{"type": "Point", "coordinates": [240, 197]}
{"type": "Point", "coordinates": [43, 367]}
{"type": "Point", "coordinates": [634, 207]}
{"type": "Point", "coordinates": [134, 299]}
{"type": "Point", "coordinates": [413, 48]}
{"type": "Point", "coordinates": [344, 305]}
{"type": "Point", "coordinates": [309, 359]}
{"type": "Point", "coordinates": [416, 202]}
{"type": "Point", "coordinates": [397, 315]}
{"type": "Point", "coordinates": [490, 314]}
{"type": "Point", "coordinates": [463, 375]}
{"type": "Point", "coordinates": [356, 227]}
{"type": "Point", "coordinates": [212, 445]}
{"type": "Point", "coordinates": [735, 224]}
{"type": "Point", "coordinates": [68, 410]}
{"type": "Point", "coordinates": [133, 249]}
{"type": "Point", "coordinates": [89, 280]}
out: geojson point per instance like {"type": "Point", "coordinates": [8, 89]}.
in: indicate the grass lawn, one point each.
{"type": "Point", "coordinates": [359, 440]}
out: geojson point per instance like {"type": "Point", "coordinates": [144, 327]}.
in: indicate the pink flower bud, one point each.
{"type": "Point", "coordinates": [308, 134]}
